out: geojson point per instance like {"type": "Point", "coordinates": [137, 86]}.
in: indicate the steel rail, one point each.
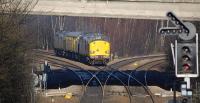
{"type": "Point", "coordinates": [146, 87]}
{"type": "Point", "coordinates": [130, 76]}
{"type": "Point", "coordinates": [111, 75]}
{"type": "Point", "coordinates": [77, 67]}
{"type": "Point", "coordinates": [130, 60]}
{"type": "Point", "coordinates": [133, 59]}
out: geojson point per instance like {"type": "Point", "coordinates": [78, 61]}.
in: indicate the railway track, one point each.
{"type": "Point", "coordinates": [115, 66]}
{"type": "Point", "coordinates": [66, 63]}
{"type": "Point", "coordinates": [128, 61]}
{"type": "Point", "coordinates": [49, 52]}
{"type": "Point", "coordinates": [52, 63]}
{"type": "Point", "coordinates": [148, 66]}
{"type": "Point", "coordinates": [127, 88]}
{"type": "Point", "coordinates": [60, 62]}
{"type": "Point", "coordinates": [63, 62]}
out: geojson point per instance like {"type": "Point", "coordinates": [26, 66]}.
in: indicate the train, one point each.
{"type": "Point", "coordinates": [91, 48]}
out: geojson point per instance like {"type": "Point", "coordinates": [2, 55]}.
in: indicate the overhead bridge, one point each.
{"type": "Point", "coordinates": [139, 9]}
{"type": "Point", "coordinates": [62, 78]}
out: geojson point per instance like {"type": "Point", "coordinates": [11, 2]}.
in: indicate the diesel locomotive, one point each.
{"type": "Point", "coordinates": [91, 48]}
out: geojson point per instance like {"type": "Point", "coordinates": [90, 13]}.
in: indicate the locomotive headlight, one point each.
{"type": "Point", "coordinates": [92, 52]}
{"type": "Point", "coordinates": [107, 51]}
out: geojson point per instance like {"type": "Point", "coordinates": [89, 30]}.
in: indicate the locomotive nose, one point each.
{"type": "Point", "coordinates": [99, 48]}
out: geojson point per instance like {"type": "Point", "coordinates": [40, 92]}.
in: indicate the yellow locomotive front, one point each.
{"type": "Point", "coordinates": [94, 48]}
{"type": "Point", "coordinates": [99, 51]}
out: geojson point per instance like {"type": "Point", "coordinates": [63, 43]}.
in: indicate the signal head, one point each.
{"type": "Point", "coordinates": [186, 59]}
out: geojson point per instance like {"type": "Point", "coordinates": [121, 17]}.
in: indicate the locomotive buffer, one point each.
{"type": "Point", "coordinates": [185, 55]}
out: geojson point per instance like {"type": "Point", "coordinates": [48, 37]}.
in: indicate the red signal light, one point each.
{"type": "Point", "coordinates": [186, 67]}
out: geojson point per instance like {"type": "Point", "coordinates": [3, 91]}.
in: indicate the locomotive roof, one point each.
{"type": "Point", "coordinates": [94, 36]}
{"type": "Point", "coordinates": [74, 34]}
{"type": "Point", "coordinates": [85, 35]}
{"type": "Point", "coordinates": [78, 33]}
{"type": "Point", "coordinates": [65, 33]}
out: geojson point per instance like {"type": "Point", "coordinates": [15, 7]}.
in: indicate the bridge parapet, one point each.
{"type": "Point", "coordinates": [116, 9]}
{"type": "Point", "coordinates": [161, 1]}
{"type": "Point", "coordinates": [169, 1]}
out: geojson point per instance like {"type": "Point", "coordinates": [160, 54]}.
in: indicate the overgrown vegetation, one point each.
{"type": "Point", "coordinates": [15, 78]}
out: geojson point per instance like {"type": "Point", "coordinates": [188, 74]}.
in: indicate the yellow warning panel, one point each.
{"type": "Point", "coordinates": [99, 47]}
{"type": "Point", "coordinates": [68, 96]}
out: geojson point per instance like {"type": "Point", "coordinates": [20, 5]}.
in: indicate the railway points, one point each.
{"type": "Point", "coordinates": [142, 62]}
{"type": "Point", "coordinates": [121, 64]}
{"type": "Point", "coordinates": [62, 61]}
{"type": "Point", "coordinates": [118, 63]}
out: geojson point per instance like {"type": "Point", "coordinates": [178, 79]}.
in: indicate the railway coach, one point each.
{"type": "Point", "coordinates": [92, 48]}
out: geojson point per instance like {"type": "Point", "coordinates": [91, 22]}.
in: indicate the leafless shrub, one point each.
{"type": "Point", "coordinates": [15, 78]}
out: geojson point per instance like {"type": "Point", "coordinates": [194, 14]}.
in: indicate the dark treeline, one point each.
{"type": "Point", "coordinates": [129, 37]}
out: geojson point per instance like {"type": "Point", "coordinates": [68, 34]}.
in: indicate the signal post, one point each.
{"type": "Point", "coordinates": [185, 53]}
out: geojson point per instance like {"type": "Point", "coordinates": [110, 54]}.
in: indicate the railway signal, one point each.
{"type": "Point", "coordinates": [186, 59]}
{"type": "Point", "coordinates": [186, 47]}
{"type": "Point", "coordinates": [185, 55]}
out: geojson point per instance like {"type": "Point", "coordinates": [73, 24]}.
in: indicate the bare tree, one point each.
{"type": "Point", "coordinates": [15, 78]}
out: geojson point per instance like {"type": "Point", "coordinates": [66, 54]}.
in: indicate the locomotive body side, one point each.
{"type": "Point", "coordinates": [71, 45]}
{"type": "Point", "coordinates": [58, 43]}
